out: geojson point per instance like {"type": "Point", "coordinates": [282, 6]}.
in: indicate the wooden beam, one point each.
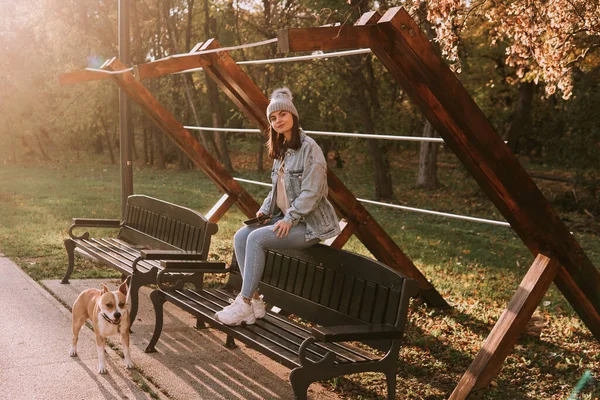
{"type": "Point", "coordinates": [422, 73]}
{"type": "Point", "coordinates": [184, 140]}
{"type": "Point", "coordinates": [81, 76]}
{"type": "Point", "coordinates": [220, 208]}
{"type": "Point", "coordinates": [348, 229]}
{"type": "Point", "coordinates": [368, 18]}
{"type": "Point", "coordinates": [511, 323]}
{"type": "Point", "coordinates": [328, 38]}
{"type": "Point", "coordinates": [170, 65]}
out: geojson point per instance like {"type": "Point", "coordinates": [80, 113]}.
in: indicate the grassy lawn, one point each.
{"type": "Point", "coordinates": [476, 267]}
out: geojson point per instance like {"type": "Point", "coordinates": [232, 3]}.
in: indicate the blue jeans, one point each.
{"type": "Point", "coordinates": [250, 242]}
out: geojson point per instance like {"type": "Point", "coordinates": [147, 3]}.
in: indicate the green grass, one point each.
{"type": "Point", "coordinates": [476, 267]}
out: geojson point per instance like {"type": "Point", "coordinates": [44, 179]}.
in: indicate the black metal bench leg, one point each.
{"type": "Point", "coordinates": [230, 342]}
{"type": "Point", "coordinates": [70, 246]}
{"type": "Point", "coordinates": [391, 384]}
{"type": "Point", "coordinates": [158, 300]}
{"type": "Point", "coordinates": [200, 324]}
{"type": "Point", "coordinates": [198, 280]}
{"type": "Point", "coordinates": [139, 279]}
{"type": "Point", "coordinates": [300, 383]}
{"type": "Point", "coordinates": [134, 296]}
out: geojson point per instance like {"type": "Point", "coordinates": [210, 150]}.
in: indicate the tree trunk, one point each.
{"type": "Point", "coordinates": [14, 152]}
{"type": "Point", "coordinates": [108, 141]}
{"type": "Point", "coordinates": [261, 152]}
{"type": "Point", "coordinates": [215, 106]}
{"type": "Point", "coordinates": [150, 145]}
{"type": "Point", "coordinates": [365, 88]}
{"type": "Point", "coordinates": [186, 79]}
{"type": "Point", "coordinates": [368, 104]}
{"type": "Point", "coordinates": [41, 146]}
{"type": "Point", "coordinates": [133, 141]}
{"type": "Point", "coordinates": [160, 150]}
{"type": "Point", "coordinates": [520, 119]}
{"type": "Point", "coordinates": [145, 144]}
{"type": "Point", "coordinates": [98, 145]}
{"type": "Point", "coordinates": [427, 177]}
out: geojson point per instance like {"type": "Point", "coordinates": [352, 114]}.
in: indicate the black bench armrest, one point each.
{"type": "Point", "coordinates": [199, 266]}
{"type": "Point", "coordinates": [96, 222]}
{"type": "Point", "coordinates": [345, 333]}
{"type": "Point", "coordinates": [91, 223]}
{"type": "Point", "coordinates": [180, 255]}
{"type": "Point", "coordinates": [178, 272]}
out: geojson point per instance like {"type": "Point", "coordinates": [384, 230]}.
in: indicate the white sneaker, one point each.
{"type": "Point", "coordinates": [258, 305]}
{"type": "Point", "coordinates": [237, 313]}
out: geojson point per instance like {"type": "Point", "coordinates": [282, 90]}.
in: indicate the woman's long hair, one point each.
{"type": "Point", "coordinates": [277, 144]}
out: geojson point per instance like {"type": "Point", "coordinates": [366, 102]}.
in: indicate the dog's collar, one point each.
{"type": "Point", "coordinates": [110, 320]}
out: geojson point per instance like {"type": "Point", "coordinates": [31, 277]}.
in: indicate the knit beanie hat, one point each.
{"type": "Point", "coordinates": [281, 100]}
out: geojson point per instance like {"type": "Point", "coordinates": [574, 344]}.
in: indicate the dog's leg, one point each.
{"type": "Point", "coordinates": [125, 344]}
{"type": "Point", "coordinates": [100, 344]}
{"type": "Point", "coordinates": [77, 324]}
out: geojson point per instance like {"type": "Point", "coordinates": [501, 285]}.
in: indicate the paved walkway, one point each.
{"type": "Point", "coordinates": [35, 336]}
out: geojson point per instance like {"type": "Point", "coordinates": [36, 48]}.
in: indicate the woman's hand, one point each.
{"type": "Point", "coordinates": [282, 228]}
{"type": "Point", "coordinates": [260, 214]}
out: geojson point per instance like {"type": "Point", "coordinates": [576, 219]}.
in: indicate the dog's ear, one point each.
{"type": "Point", "coordinates": [104, 288]}
{"type": "Point", "coordinates": [123, 287]}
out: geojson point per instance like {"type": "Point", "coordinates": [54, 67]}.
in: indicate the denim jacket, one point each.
{"type": "Point", "coordinates": [305, 178]}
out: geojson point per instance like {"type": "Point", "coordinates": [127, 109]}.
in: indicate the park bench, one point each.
{"type": "Point", "coordinates": [152, 225]}
{"type": "Point", "coordinates": [339, 297]}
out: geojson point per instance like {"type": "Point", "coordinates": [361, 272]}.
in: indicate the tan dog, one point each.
{"type": "Point", "coordinates": [109, 316]}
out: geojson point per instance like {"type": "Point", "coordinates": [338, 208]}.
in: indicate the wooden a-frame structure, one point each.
{"type": "Point", "coordinates": [404, 50]}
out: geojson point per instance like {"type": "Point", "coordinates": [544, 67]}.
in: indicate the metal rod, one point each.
{"type": "Point", "coordinates": [413, 209]}
{"type": "Point", "coordinates": [293, 59]}
{"type": "Point", "coordinates": [323, 133]}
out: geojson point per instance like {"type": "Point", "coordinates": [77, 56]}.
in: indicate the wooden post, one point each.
{"type": "Point", "coordinates": [348, 229]}
{"type": "Point", "coordinates": [511, 323]}
{"type": "Point", "coordinates": [220, 208]}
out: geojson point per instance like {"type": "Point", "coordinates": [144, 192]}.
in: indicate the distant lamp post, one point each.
{"type": "Point", "coordinates": [125, 124]}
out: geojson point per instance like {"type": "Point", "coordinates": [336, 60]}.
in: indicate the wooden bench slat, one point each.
{"type": "Point", "coordinates": [129, 254]}
{"type": "Point", "coordinates": [118, 256]}
{"type": "Point", "coordinates": [106, 258]}
{"type": "Point", "coordinates": [367, 306]}
{"type": "Point", "coordinates": [380, 304]}
{"type": "Point", "coordinates": [392, 307]}
{"type": "Point", "coordinates": [344, 352]}
{"type": "Point", "coordinates": [293, 271]}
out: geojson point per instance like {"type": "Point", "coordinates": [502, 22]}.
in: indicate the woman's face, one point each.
{"type": "Point", "coordinates": [282, 122]}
